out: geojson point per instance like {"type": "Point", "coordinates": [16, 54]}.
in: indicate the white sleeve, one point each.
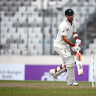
{"type": "Point", "coordinates": [63, 31]}
{"type": "Point", "coordinates": [74, 27]}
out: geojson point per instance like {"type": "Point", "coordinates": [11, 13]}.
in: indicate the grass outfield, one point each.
{"type": "Point", "coordinates": [45, 88]}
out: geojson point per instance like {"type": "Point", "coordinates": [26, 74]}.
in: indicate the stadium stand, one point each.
{"type": "Point", "coordinates": [24, 25]}
{"type": "Point", "coordinates": [91, 37]}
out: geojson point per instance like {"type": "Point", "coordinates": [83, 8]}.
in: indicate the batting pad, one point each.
{"type": "Point", "coordinates": [70, 61]}
{"type": "Point", "coordinates": [58, 73]}
{"type": "Point", "coordinates": [71, 75]}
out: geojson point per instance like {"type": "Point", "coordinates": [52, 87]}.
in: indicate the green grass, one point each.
{"type": "Point", "coordinates": [47, 91]}
{"type": "Point", "coordinates": [28, 81]}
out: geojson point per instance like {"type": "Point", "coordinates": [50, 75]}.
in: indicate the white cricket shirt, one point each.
{"type": "Point", "coordinates": [65, 28]}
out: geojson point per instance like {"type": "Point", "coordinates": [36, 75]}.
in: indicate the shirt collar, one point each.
{"type": "Point", "coordinates": [68, 21]}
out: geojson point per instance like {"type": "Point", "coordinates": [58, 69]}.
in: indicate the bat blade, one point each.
{"type": "Point", "coordinates": [79, 64]}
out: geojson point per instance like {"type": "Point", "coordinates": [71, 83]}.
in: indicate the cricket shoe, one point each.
{"type": "Point", "coordinates": [74, 84]}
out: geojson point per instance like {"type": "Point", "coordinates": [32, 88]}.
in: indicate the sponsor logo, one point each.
{"type": "Point", "coordinates": [48, 77]}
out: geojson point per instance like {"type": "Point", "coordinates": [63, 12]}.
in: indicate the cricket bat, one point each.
{"type": "Point", "coordinates": [79, 63]}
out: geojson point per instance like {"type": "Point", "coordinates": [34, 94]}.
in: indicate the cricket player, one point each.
{"type": "Point", "coordinates": [62, 44]}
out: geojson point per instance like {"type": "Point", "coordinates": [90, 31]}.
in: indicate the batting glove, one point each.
{"type": "Point", "coordinates": [78, 42]}
{"type": "Point", "coordinates": [75, 48]}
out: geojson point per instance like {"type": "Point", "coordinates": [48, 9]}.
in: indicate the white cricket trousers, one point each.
{"type": "Point", "coordinates": [69, 61]}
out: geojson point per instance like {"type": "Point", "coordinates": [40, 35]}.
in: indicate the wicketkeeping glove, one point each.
{"type": "Point", "coordinates": [75, 48]}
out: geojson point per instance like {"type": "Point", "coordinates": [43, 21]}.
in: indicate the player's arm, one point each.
{"type": "Point", "coordinates": [64, 37]}
{"type": "Point", "coordinates": [78, 41]}
{"type": "Point", "coordinates": [75, 35]}
{"type": "Point", "coordinates": [75, 48]}
{"type": "Point", "coordinates": [67, 40]}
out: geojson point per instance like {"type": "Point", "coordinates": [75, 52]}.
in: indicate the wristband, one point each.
{"type": "Point", "coordinates": [75, 35]}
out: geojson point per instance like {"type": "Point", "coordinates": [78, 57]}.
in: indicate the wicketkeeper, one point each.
{"type": "Point", "coordinates": [62, 45]}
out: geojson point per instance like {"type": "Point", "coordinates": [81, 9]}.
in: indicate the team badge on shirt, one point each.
{"type": "Point", "coordinates": [67, 29]}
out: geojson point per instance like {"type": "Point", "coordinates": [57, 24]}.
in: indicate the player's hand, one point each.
{"type": "Point", "coordinates": [78, 42]}
{"type": "Point", "coordinates": [75, 48]}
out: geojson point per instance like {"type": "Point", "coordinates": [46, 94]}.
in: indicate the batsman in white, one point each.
{"type": "Point", "coordinates": [62, 45]}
